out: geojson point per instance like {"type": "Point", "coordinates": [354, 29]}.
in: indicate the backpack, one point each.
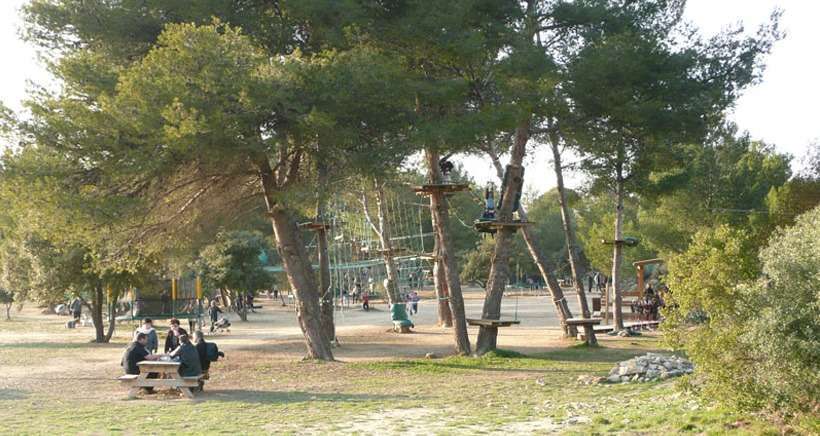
{"type": "Point", "coordinates": [212, 351]}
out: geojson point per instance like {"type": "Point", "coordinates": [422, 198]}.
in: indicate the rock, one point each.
{"type": "Point", "coordinates": [590, 379]}
{"type": "Point", "coordinates": [614, 378]}
{"type": "Point", "coordinates": [650, 367]}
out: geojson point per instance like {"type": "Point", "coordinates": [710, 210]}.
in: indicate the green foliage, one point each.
{"type": "Point", "coordinates": [476, 264]}
{"type": "Point", "coordinates": [783, 336]}
{"type": "Point", "coordinates": [754, 341]}
{"type": "Point", "coordinates": [726, 181]}
{"type": "Point", "coordinates": [545, 213]}
{"type": "Point", "coordinates": [595, 223]}
{"type": "Point", "coordinates": [233, 262]}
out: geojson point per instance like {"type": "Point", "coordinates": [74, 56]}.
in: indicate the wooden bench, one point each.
{"type": "Point", "coordinates": [628, 325]}
{"type": "Point", "coordinates": [588, 326]}
{"type": "Point", "coordinates": [492, 323]}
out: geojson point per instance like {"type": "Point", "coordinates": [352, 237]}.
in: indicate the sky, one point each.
{"type": "Point", "coordinates": [781, 110]}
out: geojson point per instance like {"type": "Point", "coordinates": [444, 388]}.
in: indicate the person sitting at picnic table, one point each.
{"type": "Point", "coordinates": [188, 358]}
{"type": "Point", "coordinates": [172, 340]}
{"type": "Point", "coordinates": [213, 313]}
{"type": "Point", "coordinates": [147, 328]}
{"type": "Point", "coordinates": [208, 352]}
{"type": "Point", "coordinates": [135, 353]}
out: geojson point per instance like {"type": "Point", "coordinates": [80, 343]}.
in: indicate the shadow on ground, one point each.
{"type": "Point", "coordinates": [12, 394]}
{"type": "Point", "coordinates": [285, 397]}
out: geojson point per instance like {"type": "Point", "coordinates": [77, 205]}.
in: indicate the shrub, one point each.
{"type": "Point", "coordinates": [758, 343]}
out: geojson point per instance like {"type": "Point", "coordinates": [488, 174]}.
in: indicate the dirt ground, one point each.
{"type": "Point", "coordinates": [53, 378]}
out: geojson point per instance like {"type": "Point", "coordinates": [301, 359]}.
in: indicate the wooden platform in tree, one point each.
{"type": "Point", "coordinates": [314, 225]}
{"type": "Point", "coordinates": [493, 226]}
{"type": "Point", "coordinates": [441, 187]}
{"type": "Point", "coordinates": [492, 322]}
{"type": "Point", "coordinates": [394, 252]}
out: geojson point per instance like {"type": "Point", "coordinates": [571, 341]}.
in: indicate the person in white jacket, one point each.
{"type": "Point", "coordinates": [147, 327]}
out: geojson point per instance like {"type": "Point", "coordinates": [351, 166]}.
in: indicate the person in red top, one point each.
{"type": "Point", "coordinates": [366, 301]}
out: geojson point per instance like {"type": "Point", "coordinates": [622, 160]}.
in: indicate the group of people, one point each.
{"type": "Point", "coordinates": [597, 281]}
{"type": "Point", "coordinates": [648, 307]}
{"type": "Point", "coordinates": [194, 355]}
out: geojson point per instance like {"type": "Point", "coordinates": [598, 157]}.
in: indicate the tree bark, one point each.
{"type": "Point", "coordinates": [569, 237]}
{"type": "Point", "coordinates": [326, 295]}
{"type": "Point", "coordinates": [445, 315]}
{"type": "Point", "coordinates": [97, 314]}
{"type": "Point", "coordinates": [297, 268]}
{"type": "Point", "coordinates": [562, 310]}
{"type": "Point", "coordinates": [500, 266]}
{"type": "Point", "coordinates": [385, 234]}
{"type": "Point", "coordinates": [112, 320]}
{"type": "Point", "coordinates": [440, 213]}
{"type": "Point", "coordinates": [617, 251]}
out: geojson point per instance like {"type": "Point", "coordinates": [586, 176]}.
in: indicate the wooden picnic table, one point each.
{"type": "Point", "coordinates": [169, 377]}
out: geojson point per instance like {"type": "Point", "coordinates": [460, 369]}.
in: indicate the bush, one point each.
{"type": "Point", "coordinates": [784, 335]}
{"type": "Point", "coordinates": [758, 343]}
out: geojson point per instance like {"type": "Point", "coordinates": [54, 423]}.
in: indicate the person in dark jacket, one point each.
{"type": "Point", "coordinates": [188, 357]}
{"type": "Point", "coordinates": [213, 313]}
{"type": "Point", "coordinates": [135, 353]}
{"type": "Point", "coordinates": [208, 352]}
{"type": "Point", "coordinates": [76, 307]}
{"type": "Point", "coordinates": [172, 340]}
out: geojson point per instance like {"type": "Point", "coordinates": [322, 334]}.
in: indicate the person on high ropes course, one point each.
{"type": "Point", "coordinates": [489, 204]}
{"type": "Point", "coordinates": [446, 167]}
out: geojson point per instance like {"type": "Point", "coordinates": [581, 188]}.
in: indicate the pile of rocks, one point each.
{"type": "Point", "coordinates": [650, 367]}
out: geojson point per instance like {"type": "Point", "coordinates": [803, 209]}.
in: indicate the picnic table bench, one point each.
{"type": "Point", "coordinates": [169, 378]}
{"type": "Point", "coordinates": [588, 326]}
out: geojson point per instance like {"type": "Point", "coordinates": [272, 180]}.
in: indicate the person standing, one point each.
{"type": "Point", "coordinates": [366, 302]}
{"type": "Point", "coordinates": [414, 302]}
{"type": "Point", "coordinates": [213, 314]}
{"type": "Point", "coordinates": [147, 328]}
{"type": "Point", "coordinates": [76, 308]}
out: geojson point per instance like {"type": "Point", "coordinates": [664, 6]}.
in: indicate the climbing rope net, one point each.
{"type": "Point", "coordinates": [355, 251]}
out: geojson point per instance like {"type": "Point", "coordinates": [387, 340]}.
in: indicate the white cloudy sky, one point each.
{"type": "Point", "coordinates": [781, 110]}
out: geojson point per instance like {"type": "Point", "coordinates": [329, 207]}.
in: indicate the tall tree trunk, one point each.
{"type": "Point", "coordinates": [8, 312]}
{"type": "Point", "coordinates": [500, 266]}
{"type": "Point", "coordinates": [385, 234]}
{"type": "Point", "coordinates": [545, 267]}
{"type": "Point", "coordinates": [617, 251]}
{"type": "Point", "coordinates": [326, 295]}
{"type": "Point", "coordinates": [297, 267]}
{"type": "Point", "coordinates": [445, 315]}
{"type": "Point", "coordinates": [326, 318]}
{"type": "Point", "coordinates": [440, 213]}
{"type": "Point", "coordinates": [112, 321]}
{"type": "Point", "coordinates": [97, 314]}
{"type": "Point", "coordinates": [569, 236]}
